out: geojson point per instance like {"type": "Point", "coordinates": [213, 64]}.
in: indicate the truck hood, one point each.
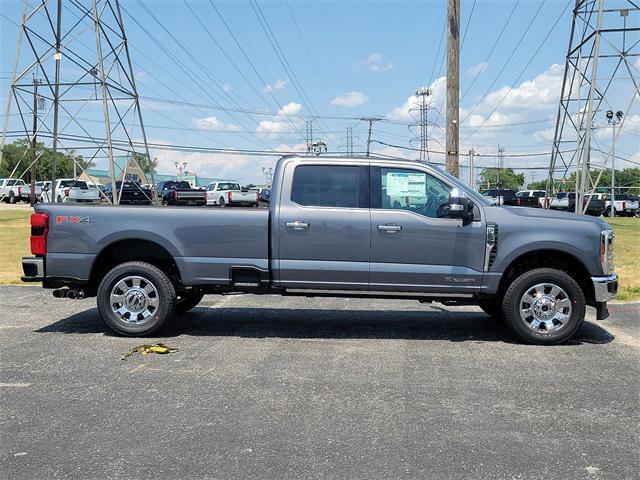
{"type": "Point", "coordinates": [544, 215]}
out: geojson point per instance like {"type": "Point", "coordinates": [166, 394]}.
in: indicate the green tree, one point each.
{"type": "Point", "coordinates": [19, 154]}
{"type": "Point", "coordinates": [501, 177]}
{"type": "Point", "coordinates": [146, 164]}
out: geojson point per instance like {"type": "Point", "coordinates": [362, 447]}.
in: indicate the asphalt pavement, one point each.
{"type": "Point", "coordinates": [302, 388]}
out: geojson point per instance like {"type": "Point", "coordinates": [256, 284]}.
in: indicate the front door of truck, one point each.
{"type": "Point", "coordinates": [414, 247]}
{"type": "Point", "coordinates": [323, 228]}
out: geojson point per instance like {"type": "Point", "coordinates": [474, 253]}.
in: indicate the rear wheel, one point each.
{"type": "Point", "coordinates": [136, 299]}
{"type": "Point", "coordinates": [544, 306]}
{"type": "Point", "coordinates": [187, 301]}
{"type": "Point", "coordinates": [221, 202]}
{"type": "Point", "coordinates": [12, 197]}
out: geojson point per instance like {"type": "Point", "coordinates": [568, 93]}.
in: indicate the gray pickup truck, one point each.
{"type": "Point", "coordinates": [355, 227]}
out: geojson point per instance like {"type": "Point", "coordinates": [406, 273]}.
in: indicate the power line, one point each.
{"type": "Point", "coordinates": [493, 47]}
{"type": "Point", "coordinates": [524, 69]}
{"type": "Point", "coordinates": [508, 60]}
{"type": "Point", "coordinates": [304, 43]}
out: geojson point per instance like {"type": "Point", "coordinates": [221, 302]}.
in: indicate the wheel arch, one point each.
{"type": "Point", "coordinates": [133, 249]}
{"type": "Point", "coordinates": [549, 258]}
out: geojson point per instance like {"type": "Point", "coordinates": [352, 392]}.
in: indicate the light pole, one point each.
{"type": "Point", "coordinates": [613, 121]}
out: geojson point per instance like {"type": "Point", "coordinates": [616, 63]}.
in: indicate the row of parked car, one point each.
{"type": "Point", "coordinates": [221, 194]}
{"type": "Point", "coordinates": [598, 204]}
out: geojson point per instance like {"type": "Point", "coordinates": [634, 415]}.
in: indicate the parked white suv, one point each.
{"type": "Point", "coordinates": [69, 190]}
{"type": "Point", "coordinates": [10, 189]}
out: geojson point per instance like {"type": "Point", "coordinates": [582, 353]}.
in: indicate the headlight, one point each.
{"type": "Point", "coordinates": [606, 251]}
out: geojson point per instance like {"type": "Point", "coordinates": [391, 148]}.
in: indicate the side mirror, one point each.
{"type": "Point", "coordinates": [460, 206]}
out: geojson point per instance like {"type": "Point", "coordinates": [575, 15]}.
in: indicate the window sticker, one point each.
{"type": "Point", "coordinates": [403, 184]}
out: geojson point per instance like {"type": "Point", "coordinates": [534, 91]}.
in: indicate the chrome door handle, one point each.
{"type": "Point", "coordinates": [389, 228]}
{"type": "Point", "coordinates": [297, 225]}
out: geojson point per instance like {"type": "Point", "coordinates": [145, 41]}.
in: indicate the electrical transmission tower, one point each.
{"type": "Point", "coordinates": [420, 113]}
{"type": "Point", "coordinates": [309, 135]}
{"type": "Point", "coordinates": [602, 72]}
{"type": "Point", "coordinates": [79, 53]}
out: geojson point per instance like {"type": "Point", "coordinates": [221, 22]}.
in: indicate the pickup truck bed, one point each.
{"type": "Point", "coordinates": [206, 244]}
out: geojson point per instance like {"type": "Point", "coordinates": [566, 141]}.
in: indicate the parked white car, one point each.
{"type": "Point", "coordinates": [624, 205]}
{"type": "Point", "coordinates": [227, 193]}
{"type": "Point", "coordinates": [10, 189]}
{"type": "Point", "coordinates": [69, 190]}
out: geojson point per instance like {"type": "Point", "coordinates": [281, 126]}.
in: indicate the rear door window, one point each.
{"type": "Point", "coordinates": [331, 186]}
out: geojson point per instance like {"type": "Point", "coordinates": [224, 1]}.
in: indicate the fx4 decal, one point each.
{"type": "Point", "coordinates": [72, 219]}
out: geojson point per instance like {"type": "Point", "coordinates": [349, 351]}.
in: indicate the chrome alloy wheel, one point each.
{"type": "Point", "coordinates": [134, 299]}
{"type": "Point", "coordinates": [545, 308]}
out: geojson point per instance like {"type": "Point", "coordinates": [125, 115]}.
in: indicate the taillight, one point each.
{"type": "Point", "coordinates": [229, 197]}
{"type": "Point", "coordinates": [257, 197]}
{"type": "Point", "coordinates": [624, 205]}
{"type": "Point", "coordinates": [175, 195]}
{"type": "Point", "coordinates": [39, 231]}
{"type": "Point", "coordinates": [19, 191]}
{"type": "Point", "coordinates": [518, 201]}
{"type": "Point", "coordinates": [66, 192]}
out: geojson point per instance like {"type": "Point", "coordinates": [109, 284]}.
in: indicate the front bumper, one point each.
{"type": "Point", "coordinates": [605, 288]}
{"type": "Point", "coordinates": [33, 268]}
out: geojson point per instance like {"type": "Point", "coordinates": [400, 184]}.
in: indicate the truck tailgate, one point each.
{"type": "Point", "coordinates": [204, 243]}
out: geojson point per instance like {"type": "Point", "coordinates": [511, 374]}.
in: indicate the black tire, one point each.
{"type": "Point", "coordinates": [557, 332]}
{"type": "Point", "coordinates": [187, 301]}
{"type": "Point", "coordinates": [12, 198]}
{"type": "Point", "coordinates": [222, 203]}
{"type": "Point", "coordinates": [59, 199]}
{"type": "Point", "coordinates": [166, 295]}
{"type": "Point", "coordinates": [493, 308]}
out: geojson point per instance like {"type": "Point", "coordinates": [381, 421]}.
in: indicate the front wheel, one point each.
{"type": "Point", "coordinates": [544, 306]}
{"type": "Point", "coordinates": [136, 299]}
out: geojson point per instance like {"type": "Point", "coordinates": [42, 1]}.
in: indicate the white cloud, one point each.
{"type": "Point", "coordinates": [477, 69]}
{"type": "Point", "coordinates": [282, 122]}
{"type": "Point", "coordinates": [375, 63]}
{"type": "Point", "coordinates": [213, 123]}
{"type": "Point", "coordinates": [279, 84]}
{"type": "Point", "coordinates": [350, 99]}
{"type": "Point", "coordinates": [227, 88]}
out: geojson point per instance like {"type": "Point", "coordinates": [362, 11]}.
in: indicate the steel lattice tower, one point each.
{"type": "Point", "coordinates": [602, 72]}
{"type": "Point", "coordinates": [79, 53]}
{"type": "Point", "coordinates": [421, 113]}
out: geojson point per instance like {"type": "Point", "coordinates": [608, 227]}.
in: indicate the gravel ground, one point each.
{"type": "Point", "coordinates": [271, 387]}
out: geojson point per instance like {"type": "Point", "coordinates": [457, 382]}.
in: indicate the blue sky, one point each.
{"type": "Point", "coordinates": [353, 59]}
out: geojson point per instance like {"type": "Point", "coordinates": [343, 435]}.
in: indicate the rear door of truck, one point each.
{"type": "Point", "coordinates": [323, 225]}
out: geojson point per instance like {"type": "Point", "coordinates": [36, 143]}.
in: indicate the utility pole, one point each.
{"type": "Point", "coordinates": [371, 121]}
{"type": "Point", "coordinates": [500, 161]}
{"type": "Point", "coordinates": [472, 154]}
{"type": "Point", "coordinates": [34, 141]}
{"type": "Point", "coordinates": [453, 86]}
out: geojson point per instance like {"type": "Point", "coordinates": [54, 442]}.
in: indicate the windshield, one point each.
{"type": "Point", "coordinates": [73, 183]}
{"type": "Point", "coordinates": [228, 186]}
